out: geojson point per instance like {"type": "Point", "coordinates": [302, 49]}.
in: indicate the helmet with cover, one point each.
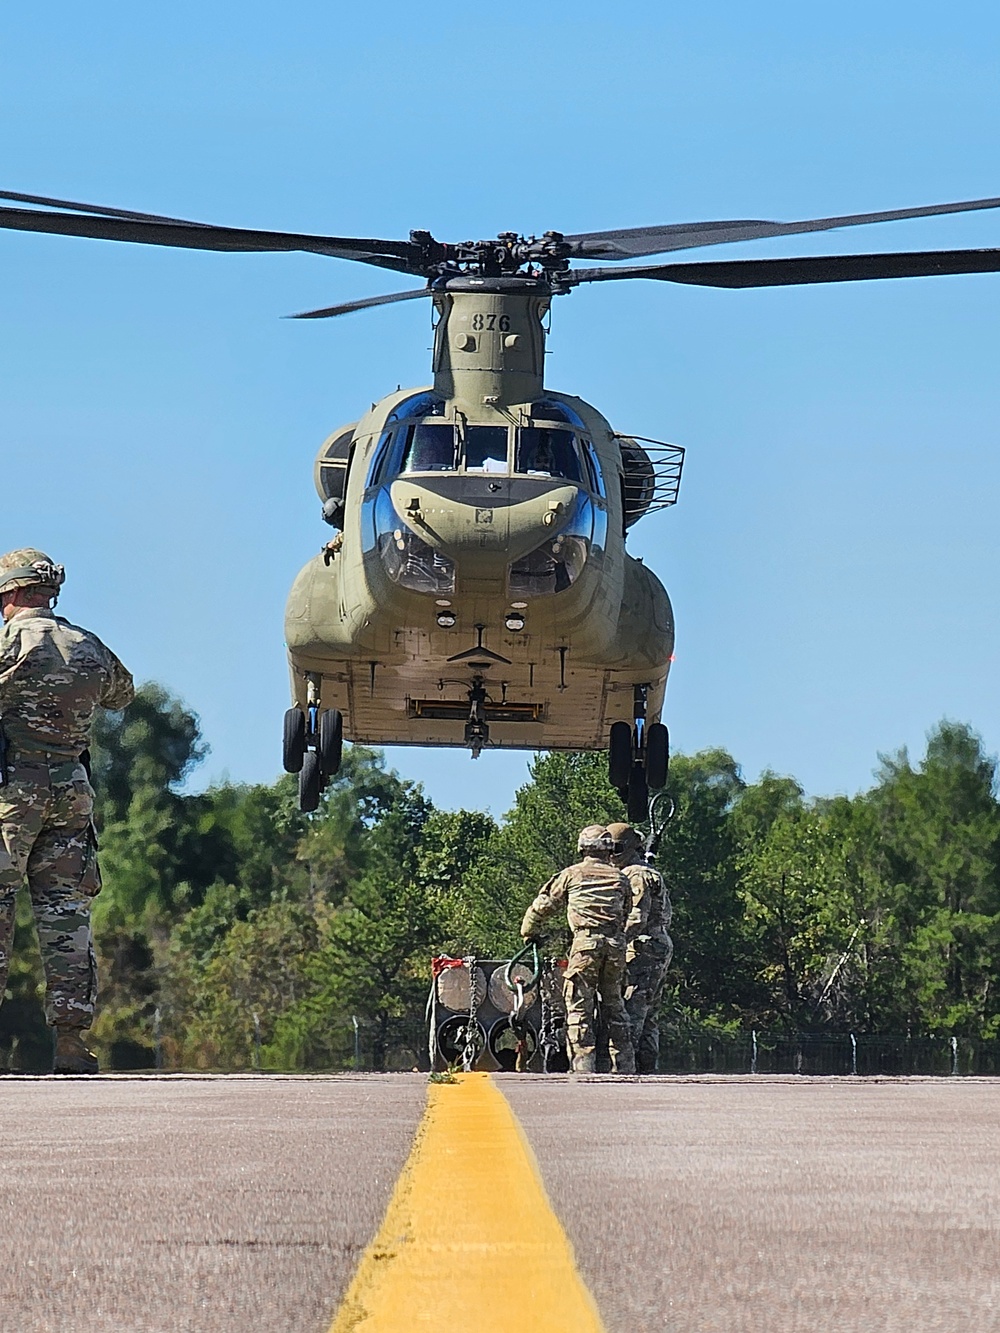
{"type": "Point", "coordinates": [627, 842]}
{"type": "Point", "coordinates": [595, 840]}
{"type": "Point", "coordinates": [29, 568]}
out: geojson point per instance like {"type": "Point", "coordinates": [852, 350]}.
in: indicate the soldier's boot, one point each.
{"type": "Point", "coordinates": [72, 1053]}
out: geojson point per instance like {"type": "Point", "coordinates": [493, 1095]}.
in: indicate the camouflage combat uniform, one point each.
{"type": "Point", "coordinates": [52, 678]}
{"type": "Point", "coordinates": [649, 949]}
{"type": "Point", "coordinates": [597, 901]}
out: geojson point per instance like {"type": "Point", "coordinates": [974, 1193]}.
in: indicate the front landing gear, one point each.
{"type": "Point", "coordinates": [313, 746]}
{"type": "Point", "coordinates": [477, 732]}
{"type": "Point", "coordinates": [638, 758]}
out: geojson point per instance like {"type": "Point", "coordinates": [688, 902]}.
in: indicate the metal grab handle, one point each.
{"type": "Point", "coordinates": [536, 963]}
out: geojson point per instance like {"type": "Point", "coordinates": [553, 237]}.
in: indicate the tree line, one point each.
{"type": "Point", "coordinates": [234, 931]}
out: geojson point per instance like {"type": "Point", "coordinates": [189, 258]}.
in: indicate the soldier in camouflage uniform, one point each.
{"type": "Point", "coordinates": [53, 676]}
{"type": "Point", "coordinates": [648, 946]}
{"type": "Point", "coordinates": [597, 900]}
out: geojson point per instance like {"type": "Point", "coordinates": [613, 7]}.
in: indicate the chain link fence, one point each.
{"type": "Point", "coordinates": [762, 1052]}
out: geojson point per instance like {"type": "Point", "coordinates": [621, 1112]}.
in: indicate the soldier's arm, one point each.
{"type": "Point", "coordinates": [120, 689]}
{"type": "Point", "coordinates": [10, 649]}
{"type": "Point", "coordinates": [668, 907]}
{"type": "Point", "coordinates": [10, 655]}
{"type": "Point", "coordinates": [638, 916]}
{"type": "Point", "coordinates": [551, 896]}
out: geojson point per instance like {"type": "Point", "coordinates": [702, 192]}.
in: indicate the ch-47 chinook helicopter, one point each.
{"type": "Point", "coordinates": [478, 591]}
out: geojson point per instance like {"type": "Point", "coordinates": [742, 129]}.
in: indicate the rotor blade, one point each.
{"type": "Point", "coordinates": [638, 241]}
{"type": "Point", "coordinates": [346, 307]}
{"type": "Point", "coordinates": [403, 256]}
{"type": "Point", "coordinates": [95, 208]}
{"type": "Point", "coordinates": [796, 272]}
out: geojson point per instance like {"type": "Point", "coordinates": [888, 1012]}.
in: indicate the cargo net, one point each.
{"type": "Point", "coordinates": [651, 475]}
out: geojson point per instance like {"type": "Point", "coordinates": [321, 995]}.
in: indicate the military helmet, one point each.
{"type": "Point", "coordinates": [627, 841]}
{"type": "Point", "coordinates": [28, 568]}
{"type": "Point", "coordinates": [595, 838]}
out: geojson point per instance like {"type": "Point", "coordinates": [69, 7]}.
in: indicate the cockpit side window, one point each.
{"type": "Point", "coordinates": [426, 404]}
{"type": "Point", "coordinates": [376, 471]}
{"type": "Point", "coordinates": [486, 448]}
{"type": "Point", "coordinates": [547, 409]}
{"type": "Point", "coordinates": [544, 451]}
{"type": "Point", "coordinates": [594, 469]}
{"type": "Point", "coordinates": [430, 447]}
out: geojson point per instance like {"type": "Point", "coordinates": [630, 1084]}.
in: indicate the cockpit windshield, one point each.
{"type": "Point", "coordinates": [544, 451]}
{"type": "Point", "coordinates": [486, 448]}
{"type": "Point", "coordinates": [429, 447]}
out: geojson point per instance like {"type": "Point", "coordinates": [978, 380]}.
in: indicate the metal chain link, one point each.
{"type": "Point", "coordinates": [548, 1032]}
{"type": "Point", "coordinates": [472, 1047]}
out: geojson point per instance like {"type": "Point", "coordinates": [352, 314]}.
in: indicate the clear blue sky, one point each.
{"type": "Point", "coordinates": [833, 561]}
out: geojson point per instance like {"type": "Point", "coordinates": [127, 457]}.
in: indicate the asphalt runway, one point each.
{"type": "Point", "coordinates": [767, 1205]}
{"type": "Point", "coordinates": [193, 1205]}
{"type": "Point", "coordinates": [146, 1204]}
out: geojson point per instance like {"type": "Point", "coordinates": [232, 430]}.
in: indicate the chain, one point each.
{"type": "Point", "coordinates": [430, 1017]}
{"type": "Point", "coordinates": [519, 1027]}
{"type": "Point", "coordinates": [473, 1045]}
{"type": "Point", "coordinates": [548, 1032]}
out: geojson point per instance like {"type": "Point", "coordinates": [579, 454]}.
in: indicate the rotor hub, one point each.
{"type": "Point", "coordinates": [510, 255]}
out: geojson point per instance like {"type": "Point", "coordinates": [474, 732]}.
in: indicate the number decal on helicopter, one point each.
{"type": "Point", "coordinates": [490, 323]}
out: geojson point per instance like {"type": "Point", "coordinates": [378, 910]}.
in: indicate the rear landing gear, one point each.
{"type": "Point", "coordinates": [638, 758]}
{"type": "Point", "coordinates": [294, 746]}
{"type": "Point", "coordinates": [477, 732]}
{"type": "Point", "coordinates": [313, 747]}
{"type": "Point", "coordinates": [637, 795]}
{"type": "Point", "coordinates": [330, 744]}
{"type": "Point", "coordinates": [310, 782]}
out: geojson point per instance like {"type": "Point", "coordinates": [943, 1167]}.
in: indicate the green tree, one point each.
{"type": "Point", "coordinates": [373, 963]}
{"type": "Point", "coordinates": [566, 791]}
{"type": "Point", "coordinates": [710, 978]}
{"type": "Point", "coordinates": [939, 845]}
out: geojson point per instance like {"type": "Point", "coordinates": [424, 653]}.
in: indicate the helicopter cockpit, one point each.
{"type": "Point", "coordinates": [480, 466]}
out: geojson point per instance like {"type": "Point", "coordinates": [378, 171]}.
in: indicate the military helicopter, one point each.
{"type": "Point", "coordinates": [478, 592]}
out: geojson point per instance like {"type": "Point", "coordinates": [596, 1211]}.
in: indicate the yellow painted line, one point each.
{"type": "Point", "coordinates": [469, 1238]}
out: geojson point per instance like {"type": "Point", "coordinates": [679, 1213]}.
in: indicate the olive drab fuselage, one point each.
{"type": "Point", "coordinates": [469, 509]}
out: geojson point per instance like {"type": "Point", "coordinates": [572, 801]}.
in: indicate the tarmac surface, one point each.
{"type": "Point", "coordinates": [148, 1204]}
{"type": "Point", "coordinates": [193, 1205]}
{"type": "Point", "coordinates": [769, 1205]}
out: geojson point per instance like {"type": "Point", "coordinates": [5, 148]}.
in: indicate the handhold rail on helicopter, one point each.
{"type": "Point", "coordinates": [651, 475]}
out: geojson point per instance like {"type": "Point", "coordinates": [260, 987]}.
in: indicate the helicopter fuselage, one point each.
{"type": "Point", "coordinates": [481, 568]}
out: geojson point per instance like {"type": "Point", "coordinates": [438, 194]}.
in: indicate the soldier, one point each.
{"type": "Point", "coordinates": [52, 678]}
{"type": "Point", "coordinates": [597, 901]}
{"type": "Point", "coordinates": [648, 947]}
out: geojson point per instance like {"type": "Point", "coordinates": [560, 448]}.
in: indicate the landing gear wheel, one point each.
{"type": "Point", "coordinates": [294, 746]}
{"type": "Point", "coordinates": [657, 755]}
{"type": "Point", "coordinates": [331, 741]}
{"type": "Point", "coordinates": [637, 800]}
{"type": "Point", "coordinates": [620, 755]}
{"type": "Point", "coordinates": [309, 782]}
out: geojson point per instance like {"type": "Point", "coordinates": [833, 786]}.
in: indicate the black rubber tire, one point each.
{"type": "Point", "coordinates": [310, 782]}
{"type": "Point", "coordinates": [331, 741]}
{"type": "Point", "coordinates": [637, 802]}
{"type": "Point", "coordinates": [657, 756]}
{"type": "Point", "coordinates": [620, 754]}
{"type": "Point", "coordinates": [294, 746]}
{"type": "Point", "coordinates": [557, 1062]}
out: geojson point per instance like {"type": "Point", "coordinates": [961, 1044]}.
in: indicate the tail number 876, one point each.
{"type": "Point", "coordinates": [490, 323]}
